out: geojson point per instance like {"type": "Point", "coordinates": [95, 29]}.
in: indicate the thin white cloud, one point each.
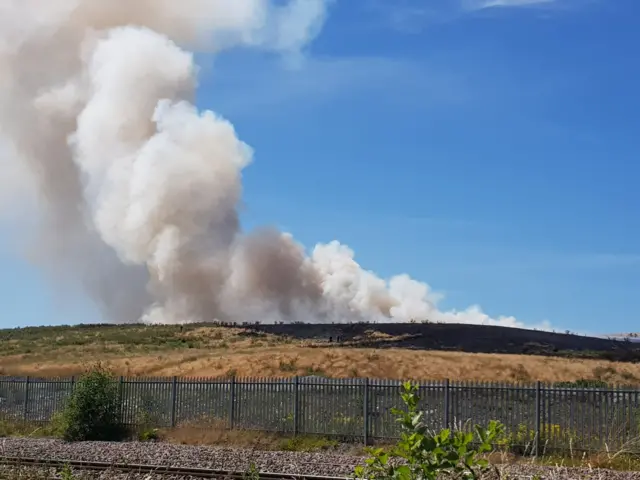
{"type": "Point", "coordinates": [320, 80]}
{"type": "Point", "coordinates": [411, 16]}
{"type": "Point", "coordinates": [414, 16]}
{"type": "Point", "coordinates": [483, 4]}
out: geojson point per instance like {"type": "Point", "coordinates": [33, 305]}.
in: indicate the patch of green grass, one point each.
{"type": "Point", "coordinates": [583, 383]}
{"type": "Point", "coordinates": [307, 444]}
{"type": "Point", "coordinates": [105, 338]}
{"type": "Point", "coordinates": [17, 428]}
{"type": "Point", "coordinates": [617, 355]}
{"type": "Point", "coordinates": [148, 435]}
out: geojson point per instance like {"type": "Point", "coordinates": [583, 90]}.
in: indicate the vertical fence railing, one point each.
{"type": "Point", "coordinates": [174, 399]}
{"type": "Point", "coordinates": [537, 439]}
{"type": "Point", "coordinates": [538, 416]}
{"type": "Point", "coordinates": [447, 407]}
{"type": "Point", "coordinates": [296, 405]}
{"type": "Point", "coordinates": [365, 412]}
{"type": "Point", "coordinates": [25, 413]}
{"type": "Point", "coordinates": [232, 402]}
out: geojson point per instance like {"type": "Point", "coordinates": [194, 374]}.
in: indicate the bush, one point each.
{"type": "Point", "coordinates": [93, 411]}
{"type": "Point", "coordinates": [429, 455]}
{"type": "Point", "coordinates": [583, 383]}
{"type": "Point", "coordinates": [149, 435]}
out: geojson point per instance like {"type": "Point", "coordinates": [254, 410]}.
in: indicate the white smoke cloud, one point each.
{"type": "Point", "coordinates": [138, 191]}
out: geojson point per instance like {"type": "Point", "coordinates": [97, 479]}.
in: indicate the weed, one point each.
{"type": "Point", "coordinates": [18, 428]}
{"type": "Point", "coordinates": [629, 377]}
{"type": "Point", "coordinates": [307, 444]}
{"type": "Point", "coordinates": [315, 371]}
{"type": "Point", "coordinates": [373, 356]}
{"type": "Point", "coordinates": [429, 455]}
{"type": "Point", "coordinates": [149, 435]}
{"type": "Point", "coordinates": [290, 365]}
{"type": "Point", "coordinates": [520, 373]}
{"type": "Point", "coordinates": [601, 372]}
{"type": "Point", "coordinates": [252, 472]}
{"type": "Point", "coordinates": [582, 383]}
{"type": "Point", "coordinates": [66, 473]}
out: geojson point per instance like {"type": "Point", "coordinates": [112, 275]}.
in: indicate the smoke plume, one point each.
{"type": "Point", "coordinates": [137, 191]}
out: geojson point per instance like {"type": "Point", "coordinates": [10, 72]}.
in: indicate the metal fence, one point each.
{"type": "Point", "coordinates": [356, 409]}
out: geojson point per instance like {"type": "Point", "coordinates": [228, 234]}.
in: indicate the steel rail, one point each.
{"type": "Point", "coordinates": [155, 469]}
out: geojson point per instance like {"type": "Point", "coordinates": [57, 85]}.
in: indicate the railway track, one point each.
{"type": "Point", "coordinates": [155, 469]}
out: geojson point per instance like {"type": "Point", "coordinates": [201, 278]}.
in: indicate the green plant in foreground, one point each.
{"type": "Point", "coordinates": [429, 455]}
{"type": "Point", "coordinates": [149, 435]}
{"type": "Point", "coordinates": [252, 472]}
{"type": "Point", "coordinates": [66, 473]}
{"type": "Point", "coordinates": [93, 411]}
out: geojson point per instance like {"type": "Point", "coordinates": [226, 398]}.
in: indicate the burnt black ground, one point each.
{"type": "Point", "coordinates": [458, 337]}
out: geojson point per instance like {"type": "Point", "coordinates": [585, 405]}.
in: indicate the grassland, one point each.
{"type": "Point", "coordinates": [404, 352]}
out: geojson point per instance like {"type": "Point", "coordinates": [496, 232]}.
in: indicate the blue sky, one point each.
{"type": "Point", "coordinates": [491, 152]}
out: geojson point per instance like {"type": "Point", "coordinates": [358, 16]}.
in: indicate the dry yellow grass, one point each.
{"type": "Point", "coordinates": [281, 360]}
{"type": "Point", "coordinates": [207, 432]}
{"type": "Point", "coordinates": [213, 351]}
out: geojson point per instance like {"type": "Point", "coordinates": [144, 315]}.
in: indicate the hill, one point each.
{"type": "Point", "coordinates": [418, 351]}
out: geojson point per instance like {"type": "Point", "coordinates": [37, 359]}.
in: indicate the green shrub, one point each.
{"type": "Point", "coordinates": [428, 455]}
{"type": "Point", "coordinates": [93, 411]}
{"type": "Point", "coordinates": [66, 473]}
{"type": "Point", "coordinates": [149, 435]}
{"type": "Point", "coordinates": [252, 473]}
{"type": "Point", "coordinates": [583, 383]}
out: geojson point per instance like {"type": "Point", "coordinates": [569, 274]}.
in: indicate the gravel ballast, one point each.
{"type": "Point", "coordinates": [164, 454]}
{"type": "Point", "coordinates": [230, 459]}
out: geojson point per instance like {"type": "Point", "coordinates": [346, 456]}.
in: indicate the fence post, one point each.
{"type": "Point", "coordinates": [296, 407]}
{"type": "Point", "coordinates": [121, 395]}
{"type": "Point", "coordinates": [174, 395]}
{"type": "Point", "coordinates": [536, 444]}
{"type": "Point", "coordinates": [365, 412]}
{"type": "Point", "coordinates": [25, 412]}
{"type": "Point", "coordinates": [73, 386]}
{"type": "Point", "coordinates": [447, 401]}
{"type": "Point", "coordinates": [232, 402]}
